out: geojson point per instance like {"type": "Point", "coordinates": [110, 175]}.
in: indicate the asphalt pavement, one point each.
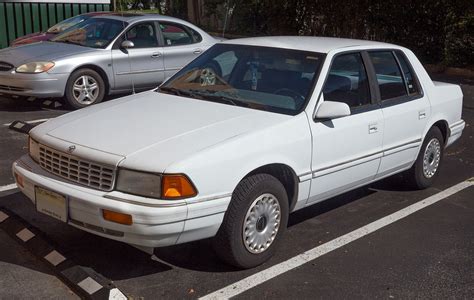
{"type": "Point", "coordinates": [427, 254]}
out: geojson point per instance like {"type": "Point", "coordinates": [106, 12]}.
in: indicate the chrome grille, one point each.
{"type": "Point", "coordinates": [5, 66]}
{"type": "Point", "coordinates": [84, 172]}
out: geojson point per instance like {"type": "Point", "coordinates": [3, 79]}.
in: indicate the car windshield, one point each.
{"type": "Point", "coordinates": [63, 25]}
{"type": "Point", "coordinates": [93, 32]}
{"type": "Point", "coordinates": [264, 78]}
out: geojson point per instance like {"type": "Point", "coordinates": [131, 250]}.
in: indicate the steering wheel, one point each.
{"type": "Point", "coordinates": [207, 76]}
{"type": "Point", "coordinates": [299, 99]}
{"type": "Point", "coordinates": [210, 73]}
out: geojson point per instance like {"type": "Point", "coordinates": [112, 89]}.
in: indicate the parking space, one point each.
{"type": "Point", "coordinates": [428, 254]}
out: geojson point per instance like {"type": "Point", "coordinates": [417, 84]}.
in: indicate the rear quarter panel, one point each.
{"type": "Point", "coordinates": [445, 98]}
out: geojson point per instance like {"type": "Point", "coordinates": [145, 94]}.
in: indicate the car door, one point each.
{"type": "Point", "coordinates": [181, 44]}
{"type": "Point", "coordinates": [346, 150]}
{"type": "Point", "coordinates": [405, 109]}
{"type": "Point", "coordinates": [142, 65]}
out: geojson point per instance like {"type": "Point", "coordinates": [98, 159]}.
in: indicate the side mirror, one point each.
{"type": "Point", "coordinates": [332, 110]}
{"type": "Point", "coordinates": [127, 44]}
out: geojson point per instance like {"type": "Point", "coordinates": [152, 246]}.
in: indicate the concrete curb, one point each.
{"type": "Point", "coordinates": [85, 282]}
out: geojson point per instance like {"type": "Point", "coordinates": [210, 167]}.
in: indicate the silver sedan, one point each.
{"type": "Point", "coordinates": [103, 55]}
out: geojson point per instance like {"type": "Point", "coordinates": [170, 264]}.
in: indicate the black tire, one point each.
{"type": "Point", "coordinates": [229, 241]}
{"type": "Point", "coordinates": [71, 101]}
{"type": "Point", "coordinates": [416, 175]}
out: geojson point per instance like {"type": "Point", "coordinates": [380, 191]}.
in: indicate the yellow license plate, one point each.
{"type": "Point", "coordinates": [51, 203]}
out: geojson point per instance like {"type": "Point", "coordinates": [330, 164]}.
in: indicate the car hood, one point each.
{"type": "Point", "coordinates": [157, 127]}
{"type": "Point", "coordinates": [43, 51]}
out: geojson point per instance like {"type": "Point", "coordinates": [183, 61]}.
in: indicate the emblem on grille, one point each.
{"type": "Point", "coordinates": [71, 149]}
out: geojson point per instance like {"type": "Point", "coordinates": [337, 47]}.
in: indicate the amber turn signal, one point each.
{"type": "Point", "coordinates": [177, 186]}
{"type": "Point", "coordinates": [19, 180]}
{"type": "Point", "coordinates": [116, 217]}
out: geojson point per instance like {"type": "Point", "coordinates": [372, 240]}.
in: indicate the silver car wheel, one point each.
{"type": "Point", "coordinates": [261, 223]}
{"type": "Point", "coordinates": [431, 158]}
{"type": "Point", "coordinates": [85, 90]}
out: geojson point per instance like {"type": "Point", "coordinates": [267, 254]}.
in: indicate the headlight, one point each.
{"type": "Point", "coordinates": [35, 67]}
{"type": "Point", "coordinates": [139, 183]}
{"type": "Point", "coordinates": [33, 149]}
{"type": "Point", "coordinates": [175, 186]}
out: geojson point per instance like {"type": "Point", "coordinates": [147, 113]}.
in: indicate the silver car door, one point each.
{"type": "Point", "coordinates": [143, 64]}
{"type": "Point", "coordinates": [181, 44]}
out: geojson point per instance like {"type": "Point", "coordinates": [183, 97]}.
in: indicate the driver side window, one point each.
{"type": "Point", "coordinates": [347, 81]}
{"type": "Point", "coordinates": [142, 35]}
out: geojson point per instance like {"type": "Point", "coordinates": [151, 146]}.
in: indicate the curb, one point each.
{"type": "Point", "coordinates": [85, 282]}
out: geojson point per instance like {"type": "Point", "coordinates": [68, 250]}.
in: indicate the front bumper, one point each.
{"type": "Point", "coordinates": [153, 225]}
{"type": "Point", "coordinates": [43, 85]}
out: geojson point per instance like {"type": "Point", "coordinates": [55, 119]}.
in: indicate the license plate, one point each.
{"type": "Point", "coordinates": [51, 203]}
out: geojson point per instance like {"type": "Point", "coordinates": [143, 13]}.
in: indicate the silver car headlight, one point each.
{"type": "Point", "coordinates": [139, 183]}
{"type": "Point", "coordinates": [33, 149]}
{"type": "Point", "coordinates": [35, 67]}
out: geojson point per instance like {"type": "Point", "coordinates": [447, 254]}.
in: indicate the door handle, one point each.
{"type": "Point", "coordinates": [197, 51]}
{"type": "Point", "coordinates": [421, 114]}
{"type": "Point", "coordinates": [373, 128]}
{"type": "Point", "coordinates": [156, 55]}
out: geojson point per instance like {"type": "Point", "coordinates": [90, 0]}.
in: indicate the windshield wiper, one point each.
{"type": "Point", "coordinates": [213, 96]}
{"type": "Point", "coordinates": [197, 94]}
{"type": "Point", "coordinates": [179, 92]}
{"type": "Point", "coordinates": [66, 42]}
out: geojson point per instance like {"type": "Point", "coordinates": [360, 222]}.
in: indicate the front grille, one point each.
{"type": "Point", "coordinates": [11, 88]}
{"type": "Point", "coordinates": [84, 172]}
{"type": "Point", "coordinates": [5, 66]}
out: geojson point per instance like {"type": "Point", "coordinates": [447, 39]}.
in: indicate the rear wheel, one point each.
{"type": "Point", "coordinates": [85, 87]}
{"type": "Point", "coordinates": [254, 222]}
{"type": "Point", "coordinates": [426, 168]}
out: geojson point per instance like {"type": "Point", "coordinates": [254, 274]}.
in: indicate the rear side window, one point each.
{"type": "Point", "coordinates": [174, 34]}
{"type": "Point", "coordinates": [411, 82]}
{"type": "Point", "coordinates": [388, 74]}
{"type": "Point", "coordinates": [347, 81]}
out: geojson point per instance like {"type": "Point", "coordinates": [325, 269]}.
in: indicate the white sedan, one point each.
{"type": "Point", "coordinates": [248, 132]}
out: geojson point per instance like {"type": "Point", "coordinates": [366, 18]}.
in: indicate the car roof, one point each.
{"type": "Point", "coordinates": [308, 43]}
{"type": "Point", "coordinates": [132, 17]}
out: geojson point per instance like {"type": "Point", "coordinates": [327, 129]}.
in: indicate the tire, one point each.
{"type": "Point", "coordinates": [261, 191]}
{"type": "Point", "coordinates": [76, 89]}
{"type": "Point", "coordinates": [418, 177]}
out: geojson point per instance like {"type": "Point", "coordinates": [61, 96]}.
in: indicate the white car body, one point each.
{"type": "Point", "coordinates": [217, 145]}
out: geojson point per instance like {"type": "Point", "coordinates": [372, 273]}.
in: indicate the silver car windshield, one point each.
{"type": "Point", "coordinates": [264, 78]}
{"type": "Point", "coordinates": [63, 25]}
{"type": "Point", "coordinates": [93, 32]}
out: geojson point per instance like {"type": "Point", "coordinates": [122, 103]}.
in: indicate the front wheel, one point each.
{"type": "Point", "coordinates": [84, 87]}
{"type": "Point", "coordinates": [254, 222]}
{"type": "Point", "coordinates": [426, 167]}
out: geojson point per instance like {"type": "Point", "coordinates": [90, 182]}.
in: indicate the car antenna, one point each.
{"type": "Point", "coordinates": [229, 10]}
{"type": "Point", "coordinates": [128, 51]}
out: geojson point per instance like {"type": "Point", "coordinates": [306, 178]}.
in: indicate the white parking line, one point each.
{"type": "Point", "coordinates": [8, 187]}
{"type": "Point", "coordinates": [288, 265]}
{"type": "Point", "coordinates": [30, 122]}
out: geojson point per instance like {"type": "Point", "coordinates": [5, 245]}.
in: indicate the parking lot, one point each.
{"type": "Point", "coordinates": [375, 242]}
